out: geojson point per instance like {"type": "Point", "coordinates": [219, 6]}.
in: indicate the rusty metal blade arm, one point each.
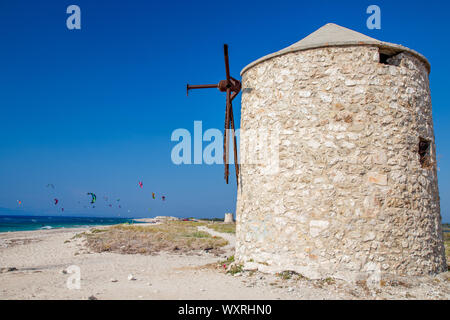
{"type": "Point", "coordinates": [200, 86]}
{"type": "Point", "coordinates": [227, 64]}
{"type": "Point", "coordinates": [226, 137]}
{"type": "Point", "coordinates": [236, 164]}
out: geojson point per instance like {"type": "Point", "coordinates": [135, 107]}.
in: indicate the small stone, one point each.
{"type": "Point", "coordinates": [316, 226]}
{"type": "Point", "coordinates": [131, 277]}
{"type": "Point", "coordinates": [369, 236]}
{"type": "Point", "coordinates": [114, 280]}
{"type": "Point", "coordinates": [304, 94]}
{"type": "Point", "coordinates": [7, 269]}
{"type": "Point", "coordinates": [92, 298]}
{"type": "Point", "coordinates": [376, 178]}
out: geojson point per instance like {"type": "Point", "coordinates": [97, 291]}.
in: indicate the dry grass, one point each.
{"type": "Point", "coordinates": [172, 236]}
{"type": "Point", "coordinates": [362, 284]}
{"type": "Point", "coordinates": [223, 227]}
{"type": "Point", "coordinates": [286, 275]}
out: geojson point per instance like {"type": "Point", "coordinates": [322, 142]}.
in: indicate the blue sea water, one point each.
{"type": "Point", "coordinates": [25, 223]}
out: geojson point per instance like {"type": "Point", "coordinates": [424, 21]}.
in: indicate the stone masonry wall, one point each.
{"type": "Point", "coordinates": [352, 196]}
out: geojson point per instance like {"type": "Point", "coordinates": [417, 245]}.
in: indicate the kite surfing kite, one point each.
{"type": "Point", "coordinates": [19, 202]}
{"type": "Point", "coordinates": [153, 195]}
{"type": "Point", "coordinates": [141, 184]}
{"type": "Point", "coordinates": [94, 197]}
{"type": "Point", "coordinates": [56, 201]}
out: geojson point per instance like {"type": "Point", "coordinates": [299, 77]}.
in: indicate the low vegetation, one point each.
{"type": "Point", "coordinates": [288, 274]}
{"type": "Point", "coordinates": [212, 219]}
{"type": "Point", "coordinates": [226, 263]}
{"type": "Point", "coordinates": [171, 236]}
{"type": "Point", "coordinates": [235, 268]}
{"type": "Point", "coordinates": [223, 227]}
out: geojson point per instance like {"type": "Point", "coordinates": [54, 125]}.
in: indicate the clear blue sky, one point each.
{"type": "Point", "coordinates": [92, 110]}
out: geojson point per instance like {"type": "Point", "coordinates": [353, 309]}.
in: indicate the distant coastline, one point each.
{"type": "Point", "coordinates": [12, 223]}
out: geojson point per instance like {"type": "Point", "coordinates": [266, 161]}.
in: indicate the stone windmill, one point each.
{"type": "Point", "coordinates": [355, 190]}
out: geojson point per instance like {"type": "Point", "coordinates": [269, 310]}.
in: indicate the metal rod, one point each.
{"type": "Point", "coordinates": [236, 164]}
{"type": "Point", "coordinates": [226, 137]}
{"type": "Point", "coordinates": [201, 86]}
{"type": "Point", "coordinates": [227, 64]}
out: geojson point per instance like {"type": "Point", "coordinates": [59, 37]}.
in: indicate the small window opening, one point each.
{"type": "Point", "coordinates": [390, 59]}
{"type": "Point", "coordinates": [384, 58]}
{"type": "Point", "coordinates": [424, 153]}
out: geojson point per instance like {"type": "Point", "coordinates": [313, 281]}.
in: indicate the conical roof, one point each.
{"type": "Point", "coordinates": [334, 35]}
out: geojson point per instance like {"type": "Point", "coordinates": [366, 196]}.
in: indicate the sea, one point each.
{"type": "Point", "coordinates": [10, 223]}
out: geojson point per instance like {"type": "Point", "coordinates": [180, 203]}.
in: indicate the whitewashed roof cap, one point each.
{"type": "Point", "coordinates": [331, 35]}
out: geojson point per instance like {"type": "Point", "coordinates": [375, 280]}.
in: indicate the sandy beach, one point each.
{"type": "Point", "coordinates": [34, 263]}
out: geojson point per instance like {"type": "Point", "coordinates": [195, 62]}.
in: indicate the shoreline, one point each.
{"type": "Point", "coordinates": [47, 227]}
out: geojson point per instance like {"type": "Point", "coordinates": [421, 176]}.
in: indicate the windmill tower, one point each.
{"type": "Point", "coordinates": [354, 191]}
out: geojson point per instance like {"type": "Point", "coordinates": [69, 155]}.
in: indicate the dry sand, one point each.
{"type": "Point", "coordinates": [40, 258]}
